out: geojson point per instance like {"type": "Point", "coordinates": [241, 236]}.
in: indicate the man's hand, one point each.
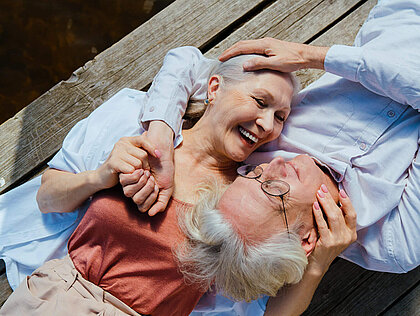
{"type": "Point", "coordinates": [278, 55]}
{"type": "Point", "coordinates": [335, 234]}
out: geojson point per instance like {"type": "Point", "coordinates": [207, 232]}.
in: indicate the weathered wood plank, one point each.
{"type": "Point", "coordinates": [36, 132]}
{"type": "Point", "coordinates": [343, 32]}
{"type": "Point", "coordinates": [348, 289]}
{"type": "Point", "coordinates": [5, 289]}
{"type": "Point", "coordinates": [408, 306]}
{"type": "Point", "coordinates": [290, 20]}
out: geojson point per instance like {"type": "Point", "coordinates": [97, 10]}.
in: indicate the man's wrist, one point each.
{"type": "Point", "coordinates": [315, 56]}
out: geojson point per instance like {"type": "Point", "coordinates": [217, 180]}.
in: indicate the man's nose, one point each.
{"type": "Point", "coordinates": [276, 169]}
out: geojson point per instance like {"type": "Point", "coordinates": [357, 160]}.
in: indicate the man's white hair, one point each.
{"type": "Point", "coordinates": [214, 253]}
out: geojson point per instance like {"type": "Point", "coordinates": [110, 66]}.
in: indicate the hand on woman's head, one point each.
{"type": "Point", "coordinates": [278, 55]}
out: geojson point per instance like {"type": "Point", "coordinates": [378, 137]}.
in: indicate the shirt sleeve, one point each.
{"type": "Point", "coordinates": [384, 58]}
{"type": "Point", "coordinates": [91, 140]}
{"type": "Point", "coordinates": [405, 221]}
{"type": "Point", "coordinates": [184, 74]}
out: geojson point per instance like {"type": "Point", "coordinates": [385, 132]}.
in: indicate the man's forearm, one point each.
{"type": "Point", "coordinates": [314, 56]}
{"type": "Point", "coordinates": [63, 191]}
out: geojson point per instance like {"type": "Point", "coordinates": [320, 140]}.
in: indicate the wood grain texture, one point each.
{"type": "Point", "coordinates": [348, 289]}
{"type": "Point", "coordinates": [343, 32]}
{"type": "Point", "coordinates": [36, 132]}
{"type": "Point", "coordinates": [289, 20]}
{"type": "Point", "coordinates": [5, 289]}
{"type": "Point", "coordinates": [408, 306]}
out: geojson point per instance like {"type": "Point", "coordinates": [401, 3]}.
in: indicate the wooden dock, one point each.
{"type": "Point", "coordinates": [32, 137]}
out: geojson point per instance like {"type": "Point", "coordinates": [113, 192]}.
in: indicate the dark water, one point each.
{"type": "Point", "coordinates": [43, 41]}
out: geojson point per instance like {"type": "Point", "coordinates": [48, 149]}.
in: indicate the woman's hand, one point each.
{"type": "Point", "coordinates": [335, 234]}
{"type": "Point", "coordinates": [152, 190]}
{"type": "Point", "coordinates": [278, 55]}
{"type": "Point", "coordinates": [141, 187]}
{"type": "Point", "coordinates": [128, 154]}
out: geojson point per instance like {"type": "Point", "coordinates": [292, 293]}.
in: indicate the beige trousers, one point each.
{"type": "Point", "coordinates": [56, 289]}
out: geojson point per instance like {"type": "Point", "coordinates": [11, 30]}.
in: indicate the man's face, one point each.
{"type": "Point", "coordinates": [258, 215]}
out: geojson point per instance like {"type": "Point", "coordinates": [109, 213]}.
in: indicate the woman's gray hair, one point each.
{"type": "Point", "coordinates": [230, 71]}
{"type": "Point", "coordinates": [214, 253]}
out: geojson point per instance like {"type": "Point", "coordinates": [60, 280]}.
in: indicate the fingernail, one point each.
{"type": "Point", "coordinates": [316, 206]}
{"type": "Point", "coordinates": [157, 153]}
{"type": "Point", "coordinates": [321, 194]}
{"type": "Point", "coordinates": [324, 188]}
{"type": "Point", "coordinates": [343, 194]}
{"type": "Point", "coordinates": [147, 173]}
{"type": "Point", "coordinates": [141, 171]}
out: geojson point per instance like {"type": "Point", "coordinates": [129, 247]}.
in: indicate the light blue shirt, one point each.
{"type": "Point", "coordinates": [360, 119]}
{"type": "Point", "coordinates": [365, 127]}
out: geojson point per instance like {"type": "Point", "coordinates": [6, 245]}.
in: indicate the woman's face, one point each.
{"type": "Point", "coordinates": [259, 215]}
{"type": "Point", "coordinates": [247, 114]}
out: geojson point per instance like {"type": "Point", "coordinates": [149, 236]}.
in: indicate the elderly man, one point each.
{"type": "Point", "coordinates": [360, 121]}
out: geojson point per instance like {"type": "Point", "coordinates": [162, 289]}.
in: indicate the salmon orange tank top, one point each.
{"type": "Point", "coordinates": [129, 254]}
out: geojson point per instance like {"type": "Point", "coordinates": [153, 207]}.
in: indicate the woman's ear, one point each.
{"type": "Point", "coordinates": [213, 86]}
{"type": "Point", "coordinates": [309, 240]}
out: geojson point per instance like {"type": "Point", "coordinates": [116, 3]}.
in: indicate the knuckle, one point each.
{"type": "Point", "coordinates": [137, 199]}
{"type": "Point", "coordinates": [333, 217]}
{"type": "Point", "coordinates": [127, 192]}
{"type": "Point", "coordinates": [352, 216]}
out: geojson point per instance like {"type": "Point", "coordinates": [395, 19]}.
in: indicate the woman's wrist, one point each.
{"type": "Point", "coordinates": [317, 269]}
{"type": "Point", "coordinates": [160, 134]}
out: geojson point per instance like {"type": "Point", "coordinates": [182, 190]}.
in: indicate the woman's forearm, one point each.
{"type": "Point", "coordinates": [63, 191]}
{"type": "Point", "coordinates": [294, 299]}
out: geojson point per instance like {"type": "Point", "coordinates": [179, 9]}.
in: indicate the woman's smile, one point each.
{"type": "Point", "coordinates": [247, 136]}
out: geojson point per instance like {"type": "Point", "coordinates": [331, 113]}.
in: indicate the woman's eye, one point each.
{"type": "Point", "coordinates": [260, 102]}
{"type": "Point", "coordinates": [280, 117]}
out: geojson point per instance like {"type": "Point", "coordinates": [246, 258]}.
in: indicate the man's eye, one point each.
{"type": "Point", "coordinates": [260, 102]}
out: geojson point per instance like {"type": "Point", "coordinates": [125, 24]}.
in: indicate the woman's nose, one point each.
{"type": "Point", "coordinates": [266, 122]}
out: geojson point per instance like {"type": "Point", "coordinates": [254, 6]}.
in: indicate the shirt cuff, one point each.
{"type": "Point", "coordinates": [343, 61]}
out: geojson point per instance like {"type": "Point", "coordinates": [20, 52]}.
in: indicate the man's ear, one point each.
{"type": "Point", "coordinates": [309, 240]}
{"type": "Point", "coordinates": [213, 86]}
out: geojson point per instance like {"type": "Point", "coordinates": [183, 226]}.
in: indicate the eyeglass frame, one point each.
{"type": "Point", "coordinates": [281, 196]}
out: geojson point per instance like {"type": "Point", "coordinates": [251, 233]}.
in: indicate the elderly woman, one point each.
{"type": "Point", "coordinates": [115, 252]}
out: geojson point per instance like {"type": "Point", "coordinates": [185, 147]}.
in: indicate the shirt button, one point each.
{"type": "Point", "coordinates": [152, 109]}
{"type": "Point", "coordinates": [362, 146]}
{"type": "Point", "coordinates": [391, 113]}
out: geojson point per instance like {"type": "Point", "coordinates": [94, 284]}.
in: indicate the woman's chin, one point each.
{"type": "Point", "coordinates": [240, 155]}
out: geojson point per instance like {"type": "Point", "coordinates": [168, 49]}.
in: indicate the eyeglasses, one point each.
{"type": "Point", "coordinates": [276, 188]}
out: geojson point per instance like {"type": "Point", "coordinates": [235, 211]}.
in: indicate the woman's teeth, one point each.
{"type": "Point", "coordinates": [250, 137]}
